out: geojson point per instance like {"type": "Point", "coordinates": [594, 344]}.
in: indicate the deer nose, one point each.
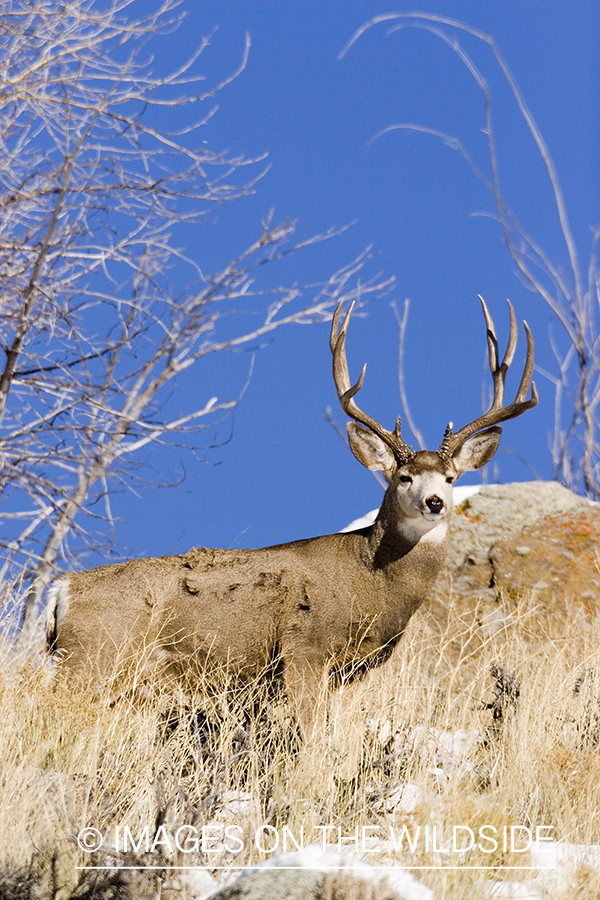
{"type": "Point", "coordinates": [435, 504]}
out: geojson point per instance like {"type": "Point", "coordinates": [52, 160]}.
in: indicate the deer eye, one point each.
{"type": "Point", "coordinates": [406, 479]}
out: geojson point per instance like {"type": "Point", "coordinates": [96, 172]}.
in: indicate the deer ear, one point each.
{"type": "Point", "coordinates": [370, 450]}
{"type": "Point", "coordinates": [476, 451]}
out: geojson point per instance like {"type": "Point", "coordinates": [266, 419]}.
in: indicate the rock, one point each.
{"type": "Point", "coordinates": [561, 560]}
{"type": "Point", "coordinates": [509, 513]}
{"type": "Point", "coordinates": [533, 542]}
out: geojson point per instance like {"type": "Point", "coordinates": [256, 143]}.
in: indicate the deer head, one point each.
{"type": "Point", "coordinates": [422, 480]}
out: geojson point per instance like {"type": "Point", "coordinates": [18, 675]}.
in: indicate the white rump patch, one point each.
{"type": "Point", "coordinates": [58, 604]}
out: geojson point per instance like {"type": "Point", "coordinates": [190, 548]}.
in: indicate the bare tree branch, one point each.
{"type": "Point", "coordinates": [402, 323]}
{"type": "Point", "coordinates": [100, 181]}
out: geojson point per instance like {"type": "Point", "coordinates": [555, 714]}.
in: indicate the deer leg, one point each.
{"type": "Point", "coordinates": [347, 726]}
{"type": "Point", "coordinates": [306, 685]}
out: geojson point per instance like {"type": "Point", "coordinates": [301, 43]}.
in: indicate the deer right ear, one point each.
{"type": "Point", "coordinates": [370, 450]}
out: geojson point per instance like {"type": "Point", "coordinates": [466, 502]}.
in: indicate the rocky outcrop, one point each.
{"type": "Point", "coordinates": [529, 536]}
{"type": "Point", "coordinates": [557, 558]}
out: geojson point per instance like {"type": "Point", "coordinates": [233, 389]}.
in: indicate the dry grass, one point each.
{"type": "Point", "coordinates": [517, 747]}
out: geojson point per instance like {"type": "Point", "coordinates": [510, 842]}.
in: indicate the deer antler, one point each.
{"type": "Point", "coordinates": [497, 413]}
{"type": "Point", "coordinates": [346, 391]}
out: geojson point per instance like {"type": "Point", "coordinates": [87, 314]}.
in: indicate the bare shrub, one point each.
{"type": "Point", "coordinates": [105, 179]}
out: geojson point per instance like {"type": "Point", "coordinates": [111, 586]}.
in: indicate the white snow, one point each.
{"type": "Point", "coordinates": [464, 491]}
{"type": "Point", "coordinates": [553, 863]}
{"type": "Point", "coordinates": [558, 860]}
{"type": "Point", "coordinates": [363, 522]}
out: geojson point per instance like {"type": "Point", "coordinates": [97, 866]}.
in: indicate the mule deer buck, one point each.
{"type": "Point", "coordinates": [317, 609]}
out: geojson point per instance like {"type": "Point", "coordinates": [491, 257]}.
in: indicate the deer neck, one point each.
{"type": "Point", "coordinates": [405, 563]}
{"type": "Point", "coordinates": [397, 548]}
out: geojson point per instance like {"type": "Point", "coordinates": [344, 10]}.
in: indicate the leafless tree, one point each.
{"type": "Point", "coordinates": [103, 168]}
{"type": "Point", "coordinates": [572, 296]}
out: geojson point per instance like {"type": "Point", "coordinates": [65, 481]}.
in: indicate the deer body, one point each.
{"type": "Point", "coordinates": [315, 607]}
{"type": "Point", "coordinates": [333, 605]}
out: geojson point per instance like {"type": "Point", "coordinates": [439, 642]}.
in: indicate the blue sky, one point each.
{"type": "Point", "coordinates": [283, 472]}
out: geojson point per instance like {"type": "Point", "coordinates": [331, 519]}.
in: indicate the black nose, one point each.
{"type": "Point", "coordinates": [435, 504]}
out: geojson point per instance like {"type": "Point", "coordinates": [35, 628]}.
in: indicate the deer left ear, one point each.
{"type": "Point", "coordinates": [476, 451]}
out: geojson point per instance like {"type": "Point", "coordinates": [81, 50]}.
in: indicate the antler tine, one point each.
{"type": "Point", "coordinates": [335, 324]}
{"type": "Point", "coordinates": [337, 342]}
{"type": "Point", "coordinates": [499, 372]}
{"type": "Point", "coordinates": [491, 336]}
{"type": "Point", "coordinates": [512, 339]}
{"type": "Point", "coordinates": [497, 413]}
{"type": "Point", "coordinates": [347, 391]}
{"type": "Point", "coordinates": [528, 370]}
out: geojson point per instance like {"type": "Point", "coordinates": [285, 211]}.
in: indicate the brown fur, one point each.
{"type": "Point", "coordinates": [332, 604]}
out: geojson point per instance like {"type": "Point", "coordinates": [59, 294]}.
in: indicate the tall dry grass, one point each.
{"type": "Point", "coordinates": [487, 715]}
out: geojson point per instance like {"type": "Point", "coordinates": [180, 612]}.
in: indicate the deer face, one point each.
{"type": "Point", "coordinates": [421, 487]}
{"type": "Point", "coordinates": [423, 490]}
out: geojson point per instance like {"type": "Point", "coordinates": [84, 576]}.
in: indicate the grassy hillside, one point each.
{"type": "Point", "coordinates": [483, 719]}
